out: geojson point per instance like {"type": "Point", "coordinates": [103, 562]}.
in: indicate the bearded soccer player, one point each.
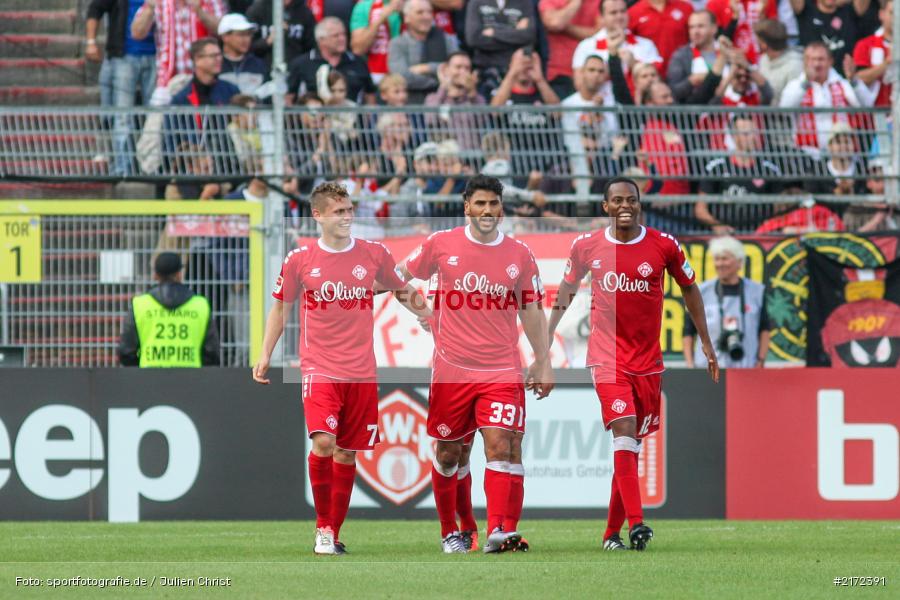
{"type": "Point", "coordinates": [334, 279]}
{"type": "Point", "coordinates": [627, 263]}
{"type": "Point", "coordinates": [484, 282]}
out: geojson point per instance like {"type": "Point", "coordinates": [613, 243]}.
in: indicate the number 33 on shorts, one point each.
{"type": "Point", "coordinates": [505, 414]}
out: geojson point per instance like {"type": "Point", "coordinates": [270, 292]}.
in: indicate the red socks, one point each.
{"type": "Point", "coordinates": [467, 520]}
{"type": "Point", "coordinates": [626, 475]}
{"type": "Point", "coordinates": [496, 489]}
{"type": "Point", "coordinates": [616, 515]}
{"type": "Point", "coordinates": [341, 488]}
{"type": "Point", "coordinates": [516, 497]}
{"type": "Point", "coordinates": [320, 477]}
{"type": "Point", "coordinates": [444, 487]}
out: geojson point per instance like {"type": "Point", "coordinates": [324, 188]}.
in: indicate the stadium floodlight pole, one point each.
{"type": "Point", "coordinates": [273, 220]}
{"type": "Point", "coordinates": [893, 187]}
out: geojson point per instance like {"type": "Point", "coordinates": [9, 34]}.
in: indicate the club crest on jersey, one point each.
{"type": "Point", "coordinates": [619, 406]}
{"type": "Point", "coordinates": [316, 272]}
{"type": "Point", "coordinates": [645, 269]}
{"type": "Point", "coordinates": [359, 272]}
{"type": "Point", "coordinates": [512, 271]}
{"type": "Point", "coordinates": [331, 422]}
{"type": "Point", "coordinates": [279, 283]}
{"type": "Point", "coordinates": [453, 261]}
{"type": "Point", "coordinates": [399, 468]}
{"type": "Point", "coordinates": [443, 430]}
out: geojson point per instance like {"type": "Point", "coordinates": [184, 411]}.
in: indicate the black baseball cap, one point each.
{"type": "Point", "coordinates": [167, 263]}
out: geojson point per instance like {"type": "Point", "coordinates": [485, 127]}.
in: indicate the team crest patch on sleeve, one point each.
{"type": "Point", "coordinates": [512, 271]}
{"type": "Point", "coordinates": [279, 283]}
{"type": "Point", "coordinates": [688, 270]}
{"type": "Point", "coordinates": [537, 284]}
{"type": "Point", "coordinates": [568, 266]}
{"type": "Point", "coordinates": [399, 272]}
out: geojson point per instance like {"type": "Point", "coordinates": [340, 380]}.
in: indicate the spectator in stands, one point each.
{"type": "Point", "coordinates": [567, 23]}
{"type": "Point", "coordinates": [842, 164]}
{"type": "Point", "coordinates": [818, 87]}
{"type": "Point", "coordinates": [343, 125]}
{"type": "Point", "coordinates": [663, 153]}
{"type": "Point", "coordinates": [139, 345]}
{"type": "Point", "coordinates": [537, 147]}
{"type": "Point", "coordinates": [696, 69]}
{"type": "Point", "coordinates": [205, 89]}
{"type": "Point", "coordinates": [736, 304]}
{"type": "Point", "coordinates": [830, 22]}
{"type": "Point", "coordinates": [451, 168]}
{"type": "Point", "coordinates": [395, 152]}
{"type": "Point", "coordinates": [664, 22]}
{"type": "Point", "coordinates": [736, 18]}
{"type": "Point", "coordinates": [872, 57]}
{"type": "Point", "coordinates": [245, 70]}
{"type": "Point", "coordinates": [643, 76]}
{"type": "Point", "coordinates": [739, 173]}
{"type": "Point", "coordinates": [494, 30]}
{"type": "Point", "coordinates": [311, 144]}
{"type": "Point", "coordinates": [458, 88]}
{"type": "Point", "coordinates": [808, 218]}
{"type": "Point", "coordinates": [176, 25]}
{"type": "Point", "coordinates": [393, 90]}
{"type": "Point", "coordinates": [373, 24]}
{"type": "Point", "coordinates": [744, 85]}
{"type": "Point", "coordinates": [872, 216]}
{"type": "Point", "coordinates": [635, 50]}
{"type": "Point", "coordinates": [243, 131]}
{"type": "Point", "coordinates": [330, 54]}
{"type": "Point", "coordinates": [299, 25]}
{"type": "Point", "coordinates": [585, 126]}
{"type": "Point", "coordinates": [418, 52]}
{"type": "Point", "coordinates": [525, 201]}
{"type": "Point", "coordinates": [129, 65]}
{"type": "Point", "coordinates": [414, 211]}
{"type": "Point", "coordinates": [777, 63]}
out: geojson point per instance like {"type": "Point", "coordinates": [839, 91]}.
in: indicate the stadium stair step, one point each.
{"type": "Point", "coordinates": [59, 96]}
{"type": "Point", "coordinates": [44, 4]}
{"type": "Point", "coordinates": [39, 21]}
{"type": "Point", "coordinates": [33, 45]}
{"type": "Point", "coordinates": [43, 71]}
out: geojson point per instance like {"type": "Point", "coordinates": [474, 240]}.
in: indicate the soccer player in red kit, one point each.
{"type": "Point", "coordinates": [485, 282]}
{"type": "Point", "coordinates": [333, 279]}
{"type": "Point", "coordinates": [627, 263]}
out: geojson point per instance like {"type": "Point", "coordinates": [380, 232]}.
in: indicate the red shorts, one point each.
{"type": "Point", "coordinates": [631, 396]}
{"type": "Point", "coordinates": [462, 401]}
{"type": "Point", "coordinates": [346, 409]}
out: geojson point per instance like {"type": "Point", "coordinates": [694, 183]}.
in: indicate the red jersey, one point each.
{"type": "Point", "coordinates": [666, 155]}
{"type": "Point", "coordinates": [750, 13]}
{"type": "Point", "coordinates": [477, 296]}
{"type": "Point", "coordinates": [870, 52]}
{"type": "Point", "coordinates": [627, 295]}
{"type": "Point", "coordinates": [336, 320]}
{"type": "Point", "coordinates": [668, 29]}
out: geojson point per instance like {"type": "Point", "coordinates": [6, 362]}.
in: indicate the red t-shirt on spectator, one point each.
{"type": "Point", "coordinates": [870, 52]}
{"type": "Point", "coordinates": [751, 14]}
{"type": "Point", "coordinates": [668, 28]}
{"type": "Point", "coordinates": [663, 146]}
{"type": "Point", "coordinates": [562, 45]}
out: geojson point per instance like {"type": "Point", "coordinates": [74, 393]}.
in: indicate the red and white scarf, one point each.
{"type": "Point", "coordinates": [750, 97]}
{"type": "Point", "coordinates": [177, 27]}
{"type": "Point", "coordinates": [699, 66]}
{"type": "Point", "coordinates": [378, 53]}
{"type": "Point", "coordinates": [807, 126]}
{"type": "Point", "coordinates": [877, 55]}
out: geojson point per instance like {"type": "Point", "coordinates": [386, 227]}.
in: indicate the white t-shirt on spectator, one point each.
{"type": "Point", "coordinates": [643, 50]}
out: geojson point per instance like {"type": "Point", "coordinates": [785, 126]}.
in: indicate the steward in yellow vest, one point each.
{"type": "Point", "coordinates": [169, 326]}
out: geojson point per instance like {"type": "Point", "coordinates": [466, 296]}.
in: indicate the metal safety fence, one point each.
{"type": "Point", "coordinates": [71, 269]}
{"type": "Point", "coordinates": [561, 149]}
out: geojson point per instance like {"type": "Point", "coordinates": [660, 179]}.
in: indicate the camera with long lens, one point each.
{"type": "Point", "coordinates": [731, 340]}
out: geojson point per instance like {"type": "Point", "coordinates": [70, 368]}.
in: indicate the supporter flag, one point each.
{"type": "Point", "coordinates": [853, 314]}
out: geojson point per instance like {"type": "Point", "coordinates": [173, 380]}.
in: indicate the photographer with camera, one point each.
{"type": "Point", "coordinates": [735, 312]}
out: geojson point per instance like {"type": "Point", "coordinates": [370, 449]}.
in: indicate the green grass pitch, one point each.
{"type": "Point", "coordinates": [402, 559]}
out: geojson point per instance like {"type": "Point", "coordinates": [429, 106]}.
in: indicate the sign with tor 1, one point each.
{"type": "Point", "coordinates": [813, 444]}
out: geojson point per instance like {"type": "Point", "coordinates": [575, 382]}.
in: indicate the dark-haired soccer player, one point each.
{"type": "Point", "coordinates": [627, 263]}
{"type": "Point", "coordinates": [485, 281]}
{"type": "Point", "coordinates": [334, 280]}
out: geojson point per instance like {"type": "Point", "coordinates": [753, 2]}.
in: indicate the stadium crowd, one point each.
{"type": "Point", "coordinates": [522, 57]}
